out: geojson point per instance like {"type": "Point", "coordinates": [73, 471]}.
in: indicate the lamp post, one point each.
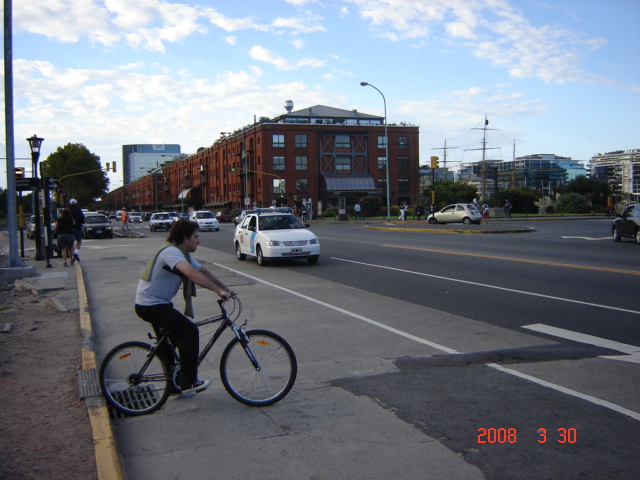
{"type": "Point", "coordinates": [386, 147]}
{"type": "Point", "coordinates": [35, 143]}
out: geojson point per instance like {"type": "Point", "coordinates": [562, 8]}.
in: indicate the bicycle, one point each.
{"type": "Point", "coordinates": [258, 367]}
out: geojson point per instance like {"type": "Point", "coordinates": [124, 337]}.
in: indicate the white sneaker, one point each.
{"type": "Point", "coordinates": [199, 386]}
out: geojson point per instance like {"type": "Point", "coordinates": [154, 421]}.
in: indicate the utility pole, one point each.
{"type": "Point", "coordinates": [484, 159]}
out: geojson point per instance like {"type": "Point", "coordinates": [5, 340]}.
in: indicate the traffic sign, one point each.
{"type": "Point", "coordinates": [25, 184]}
{"type": "Point", "coordinates": [50, 183]}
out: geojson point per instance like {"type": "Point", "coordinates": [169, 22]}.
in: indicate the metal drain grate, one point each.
{"type": "Point", "coordinates": [88, 383]}
{"type": "Point", "coordinates": [143, 398]}
{"type": "Point", "coordinates": [53, 275]}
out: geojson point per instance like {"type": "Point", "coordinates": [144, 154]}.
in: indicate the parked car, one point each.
{"type": "Point", "coordinates": [98, 226]}
{"type": "Point", "coordinates": [30, 227]}
{"type": "Point", "coordinates": [160, 221]}
{"type": "Point", "coordinates": [135, 217]}
{"type": "Point", "coordinates": [205, 220]}
{"type": "Point", "coordinates": [224, 216]}
{"type": "Point", "coordinates": [275, 236]}
{"type": "Point", "coordinates": [457, 213]}
{"type": "Point", "coordinates": [146, 216]}
{"type": "Point", "coordinates": [628, 224]}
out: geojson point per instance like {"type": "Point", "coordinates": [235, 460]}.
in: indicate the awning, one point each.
{"type": "Point", "coordinates": [184, 193]}
{"type": "Point", "coordinates": [349, 183]}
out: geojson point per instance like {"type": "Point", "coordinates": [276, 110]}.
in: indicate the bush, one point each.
{"type": "Point", "coordinates": [573, 203]}
{"type": "Point", "coordinates": [330, 212]}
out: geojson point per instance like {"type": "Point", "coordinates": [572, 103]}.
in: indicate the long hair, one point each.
{"type": "Point", "coordinates": [65, 212]}
{"type": "Point", "coordinates": [180, 230]}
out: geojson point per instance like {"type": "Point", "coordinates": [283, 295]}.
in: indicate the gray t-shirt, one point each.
{"type": "Point", "coordinates": [164, 285]}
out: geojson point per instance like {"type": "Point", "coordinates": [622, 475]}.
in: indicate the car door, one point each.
{"type": "Point", "coordinates": [247, 230]}
{"type": "Point", "coordinates": [447, 214]}
{"type": "Point", "coordinates": [628, 226]}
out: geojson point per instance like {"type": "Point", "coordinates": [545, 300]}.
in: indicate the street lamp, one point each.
{"type": "Point", "coordinates": [386, 147]}
{"type": "Point", "coordinates": [35, 143]}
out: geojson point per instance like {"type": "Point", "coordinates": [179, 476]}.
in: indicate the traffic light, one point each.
{"type": "Point", "coordinates": [113, 167]}
{"type": "Point", "coordinates": [233, 166]}
{"type": "Point", "coordinates": [434, 162]}
{"type": "Point", "coordinates": [19, 172]}
{"type": "Point", "coordinates": [108, 165]}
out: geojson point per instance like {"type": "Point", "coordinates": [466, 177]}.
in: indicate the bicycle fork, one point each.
{"type": "Point", "coordinates": [244, 341]}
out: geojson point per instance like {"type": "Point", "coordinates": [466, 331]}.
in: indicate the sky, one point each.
{"type": "Point", "coordinates": [552, 76]}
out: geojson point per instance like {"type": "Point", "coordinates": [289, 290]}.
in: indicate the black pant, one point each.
{"type": "Point", "coordinates": [184, 335]}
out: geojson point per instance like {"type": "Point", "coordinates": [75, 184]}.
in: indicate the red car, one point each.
{"type": "Point", "coordinates": [224, 216]}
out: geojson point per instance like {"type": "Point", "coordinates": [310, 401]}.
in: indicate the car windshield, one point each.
{"type": "Point", "coordinates": [280, 222]}
{"type": "Point", "coordinates": [96, 219]}
{"type": "Point", "coordinates": [162, 216]}
{"type": "Point", "coordinates": [204, 215]}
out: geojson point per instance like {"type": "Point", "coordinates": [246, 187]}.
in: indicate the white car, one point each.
{"type": "Point", "coordinates": [160, 221]}
{"type": "Point", "coordinates": [205, 219]}
{"type": "Point", "coordinates": [457, 213]}
{"type": "Point", "coordinates": [275, 236]}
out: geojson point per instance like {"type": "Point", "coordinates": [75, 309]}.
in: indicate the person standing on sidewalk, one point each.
{"type": "Point", "coordinates": [358, 211]}
{"type": "Point", "coordinates": [78, 219]}
{"type": "Point", "coordinates": [125, 218]}
{"type": "Point", "coordinates": [172, 267]}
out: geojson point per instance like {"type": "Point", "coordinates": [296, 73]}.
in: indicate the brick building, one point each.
{"type": "Point", "coordinates": [319, 157]}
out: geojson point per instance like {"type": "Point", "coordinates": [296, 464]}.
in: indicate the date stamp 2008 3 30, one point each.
{"type": "Point", "coordinates": [510, 435]}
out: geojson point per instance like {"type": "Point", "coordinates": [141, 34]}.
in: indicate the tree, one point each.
{"type": "Point", "coordinates": [448, 192]}
{"type": "Point", "coordinates": [595, 190]}
{"type": "Point", "coordinates": [523, 200]}
{"type": "Point", "coordinates": [371, 206]}
{"type": "Point", "coordinates": [77, 159]}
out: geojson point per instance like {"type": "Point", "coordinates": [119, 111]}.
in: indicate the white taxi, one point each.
{"type": "Point", "coordinates": [275, 236]}
{"type": "Point", "coordinates": [205, 219]}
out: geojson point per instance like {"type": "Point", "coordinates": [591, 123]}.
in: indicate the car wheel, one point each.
{"type": "Point", "coordinates": [217, 229]}
{"type": "Point", "coordinates": [432, 220]}
{"type": "Point", "coordinates": [638, 236]}
{"type": "Point", "coordinates": [466, 221]}
{"type": "Point", "coordinates": [239, 254]}
{"type": "Point", "coordinates": [313, 260]}
{"type": "Point", "coordinates": [260, 257]}
{"type": "Point", "coordinates": [616, 236]}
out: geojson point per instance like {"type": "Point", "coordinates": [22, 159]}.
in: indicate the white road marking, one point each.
{"type": "Point", "coordinates": [632, 352]}
{"type": "Point", "coordinates": [559, 388]}
{"type": "Point", "coordinates": [550, 297]}
{"type": "Point", "coordinates": [586, 238]}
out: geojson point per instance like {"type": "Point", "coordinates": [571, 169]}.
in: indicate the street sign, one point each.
{"type": "Point", "coordinates": [50, 183]}
{"type": "Point", "coordinates": [25, 184]}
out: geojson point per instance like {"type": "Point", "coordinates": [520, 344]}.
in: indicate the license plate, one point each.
{"type": "Point", "coordinates": [98, 231]}
{"type": "Point", "coordinates": [296, 250]}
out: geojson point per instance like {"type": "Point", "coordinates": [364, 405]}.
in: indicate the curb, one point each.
{"type": "Point", "coordinates": [469, 232]}
{"type": "Point", "coordinates": [108, 462]}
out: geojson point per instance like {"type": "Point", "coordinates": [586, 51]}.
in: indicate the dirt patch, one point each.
{"type": "Point", "coordinates": [45, 431]}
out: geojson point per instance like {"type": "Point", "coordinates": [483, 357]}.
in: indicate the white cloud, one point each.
{"type": "Point", "coordinates": [258, 52]}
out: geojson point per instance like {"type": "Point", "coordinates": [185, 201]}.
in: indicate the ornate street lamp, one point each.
{"type": "Point", "coordinates": [35, 143]}
{"type": "Point", "coordinates": [386, 147]}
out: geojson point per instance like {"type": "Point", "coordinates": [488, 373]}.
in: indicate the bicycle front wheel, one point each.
{"type": "Point", "coordinates": [270, 381]}
{"type": "Point", "coordinates": [129, 389]}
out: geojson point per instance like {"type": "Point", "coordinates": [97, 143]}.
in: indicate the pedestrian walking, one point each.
{"type": "Point", "coordinates": [485, 212]}
{"type": "Point", "coordinates": [508, 206]}
{"type": "Point", "coordinates": [78, 221]}
{"type": "Point", "coordinates": [64, 227]}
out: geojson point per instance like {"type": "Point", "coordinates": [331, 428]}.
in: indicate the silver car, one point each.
{"type": "Point", "coordinates": [457, 213]}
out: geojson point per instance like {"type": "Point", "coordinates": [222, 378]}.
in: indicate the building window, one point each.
{"type": "Point", "coordinates": [382, 184]}
{"type": "Point", "coordinates": [301, 163]}
{"type": "Point", "coordinates": [278, 140]}
{"type": "Point", "coordinates": [301, 141]}
{"type": "Point", "coordinates": [302, 185]}
{"type": "Point", "coordinates": [343, 163]}
{"type": "Point", "coordinates": [403, 143]}
{"type": "Point", "coordinates": [278, 163]}
{"type": "Point", "coordinates": [382, 142]}
{"type": "Point", "coordinates": [403, 185]}
{"type": "Point", "coordinates": [382, 163]}
{"type": "Point", "coordinates": [403, 163]}
{"type": "Point", "coordinates": [343, 141]}
{"type": "Point", "coordinates": [278, 186]}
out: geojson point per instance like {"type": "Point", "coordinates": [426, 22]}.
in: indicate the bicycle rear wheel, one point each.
{"type": "Point", "coordinates": [129, 390]}
{"type": "Point", "coordinates": [266, 385]}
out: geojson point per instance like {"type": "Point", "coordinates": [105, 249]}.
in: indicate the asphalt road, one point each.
{"type": "Point", "coordinates": [513, 402]}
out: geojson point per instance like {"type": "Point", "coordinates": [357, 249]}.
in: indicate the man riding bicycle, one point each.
{"type": "Point", "coordinates": [172, 267]}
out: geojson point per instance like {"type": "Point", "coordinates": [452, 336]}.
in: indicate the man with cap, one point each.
{"type": "Point", "coordinates": [78, 217]}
